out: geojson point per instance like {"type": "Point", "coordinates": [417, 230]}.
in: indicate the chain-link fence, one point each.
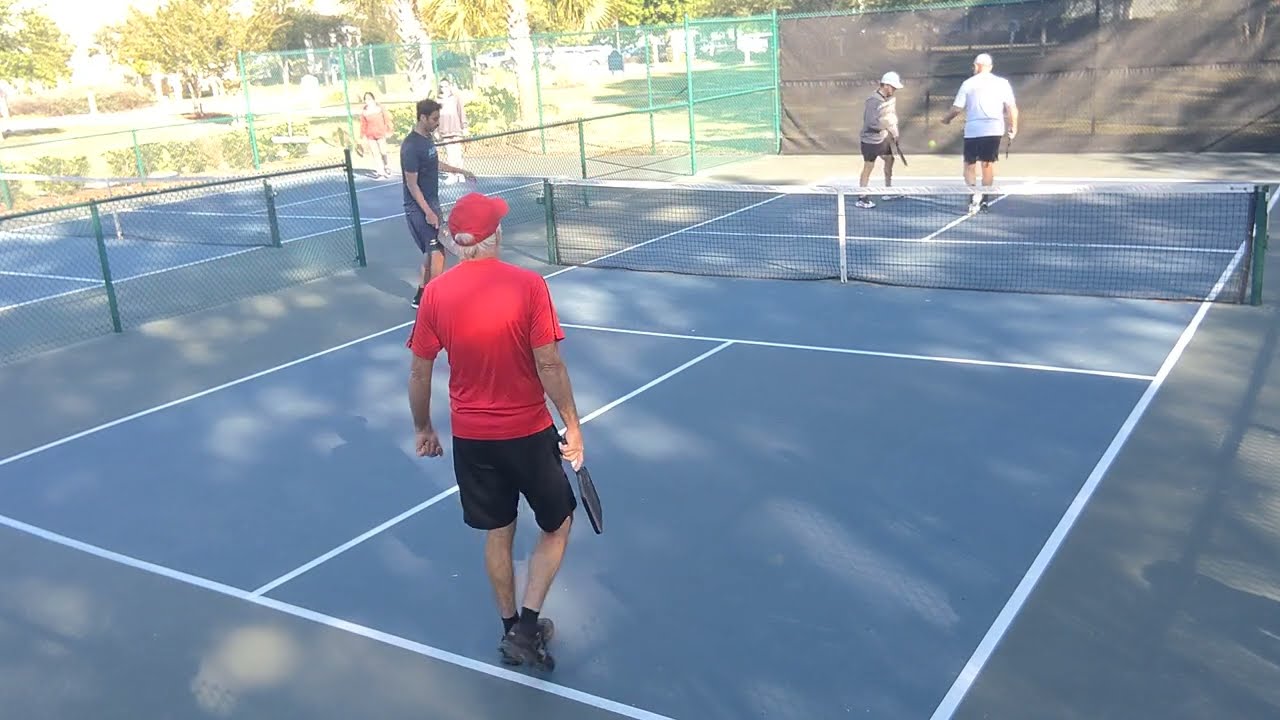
{"type": "Point", "coordinates": [1089, 75]}
{"type": "Point", "coordinates": [115, 261]}
{"type": "Point", "coordinates": [542, 82]}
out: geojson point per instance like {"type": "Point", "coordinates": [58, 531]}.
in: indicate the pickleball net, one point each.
{"type": "Point", "coordinates": [1173, 241]}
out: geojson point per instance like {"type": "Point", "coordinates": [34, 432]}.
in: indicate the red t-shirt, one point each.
{"type": "Point", "coordinates": [488, 315]}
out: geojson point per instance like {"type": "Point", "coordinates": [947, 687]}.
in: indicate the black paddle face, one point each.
{"type": "Point", "coordinates": [590, 499]}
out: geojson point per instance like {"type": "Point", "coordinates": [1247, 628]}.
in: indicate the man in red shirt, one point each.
{"type": "Point", "coordinates": [498, 325]}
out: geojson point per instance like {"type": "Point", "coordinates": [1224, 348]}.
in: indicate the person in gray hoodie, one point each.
{"type": "Point", "coordinates": [879, 126]}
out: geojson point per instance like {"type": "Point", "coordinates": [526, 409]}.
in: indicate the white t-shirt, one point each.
{"type": "Point", "coordinates": [983, 97]}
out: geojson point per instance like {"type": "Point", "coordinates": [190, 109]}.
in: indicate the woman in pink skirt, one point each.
{"type": "Point", "coordinates": [375, 126]}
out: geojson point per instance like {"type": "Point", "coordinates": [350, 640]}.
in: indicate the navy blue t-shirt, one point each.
{"type": "Point", "coordinates": [418, 154]}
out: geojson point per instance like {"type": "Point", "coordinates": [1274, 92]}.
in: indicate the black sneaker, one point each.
{"type": "Point", "coordinates": [417, 298]}
{"type": "Point", "coordinates": [518, 648]}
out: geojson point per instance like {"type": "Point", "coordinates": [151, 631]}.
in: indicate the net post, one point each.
{"type": "Point", "coordinates": [349, 169]}
{"type": "Point", "coordinates": [842, 240]}
{"type": "Point", "coordinates": [273, 221]}
{"type": "Point", "coordinates": [248, 112]}
{"type": "Point", "coordinates": [112, 303]}
{"type": "Point", "coordinates": [582, 148]}
{"type": "Point", "coordinates": [548, 209]}
{"type": "Point", "coordinates": [1259, 249]}
{"type": "Point", "coordinates": [688, 91]}
{"type": "Point", "coordinates": [776, 47]}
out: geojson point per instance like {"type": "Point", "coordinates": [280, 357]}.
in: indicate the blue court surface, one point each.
{"type": "Point", "coordinates": [821, 500]}
{"type": "Point", "coordinates": [43, 259]}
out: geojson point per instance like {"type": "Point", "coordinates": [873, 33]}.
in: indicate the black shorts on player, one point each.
{"type": "Point", "coordinates": [982, 149]}
{"type": "Point", "coordinates": [493, 474]}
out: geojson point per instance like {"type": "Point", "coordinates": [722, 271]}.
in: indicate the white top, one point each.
{"type": "Point", "coordinates": [983, 98]}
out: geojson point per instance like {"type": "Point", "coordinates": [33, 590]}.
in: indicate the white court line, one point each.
{"type": "Point", "coordinates": [46, 276]}
{"type": "Point", "coordinates": [964, 217]}
{"type": "Point", "coordinates": [932, 240]}
{"type": "Point", "coordinates": [194, 396]}
{"type": "Point", "coordinates": [209, 213]}
{"type": "Point", "coordinates": [1149, 180]}
{"type": "Point", "coordinates": [868, 353]}
{"type": "Point", "coordinates": [969, 673]}
{"type": "Point", "coordinates": [385, 638]}
{"type": "Point", "coordinates": [441, 496]}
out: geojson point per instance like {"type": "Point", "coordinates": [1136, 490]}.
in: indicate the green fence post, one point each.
{"type": "Point", "coordinates": [688, 89]}
{"type": "Point", "coordinates": [648, 88]}
{"type": "Point", "coordinates": [1259, 258]}
{"type": "Point", "coordinates": [548, 207]}
{"type": "Point", "coordinates": [137, 155]}
{"type": "Point", "coordinates": [346, 97]}
{"type": "Point", "coordinates": [776, 46]}
{"type": "Point", "coordinates": [355, 208]}
{"type": "Point", "coordinates": [248, 112]}
{"type": "Point", "coordinates": [112, 304]}
{"type": "Point", "coordinates": [5, 193]}
{"type": "Point", "coordinates": [582, 148]}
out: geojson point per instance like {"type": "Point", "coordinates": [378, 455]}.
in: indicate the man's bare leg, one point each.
{"type": "Point", "coordinates": [528, 641]}
{"type": "Point", "coordinates": [865, 177]}
{"type": "Point", "coordinates": [545, 563]}
{"type": "Point", "coordinates": [497, 561]}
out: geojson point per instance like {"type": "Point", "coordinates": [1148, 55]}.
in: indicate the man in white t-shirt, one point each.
{"type": "Point", "coordinates": [991, 113]}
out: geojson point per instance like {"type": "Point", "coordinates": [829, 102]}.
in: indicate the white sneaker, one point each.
{"type": "Point", "coordinates": [865, 203]}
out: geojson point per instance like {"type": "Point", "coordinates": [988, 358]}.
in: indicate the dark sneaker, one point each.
{"type": "Point", "coordinates": [417, 298]}
{"type": "Point", "coordinates": [518, 648]}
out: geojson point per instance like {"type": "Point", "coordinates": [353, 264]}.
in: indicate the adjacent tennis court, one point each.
{"type": "Point", "coordinates": [56, 254]}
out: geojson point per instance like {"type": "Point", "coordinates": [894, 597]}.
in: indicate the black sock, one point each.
{"type": "Point", "coordinates": [528, 620]}
{"type": "Point", "coordinates": [508, 623]}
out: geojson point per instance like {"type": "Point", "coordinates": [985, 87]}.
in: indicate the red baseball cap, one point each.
{"type": "Point", "coordinates": [476, 215]}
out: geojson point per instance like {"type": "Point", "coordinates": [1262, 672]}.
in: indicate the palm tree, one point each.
{"type": "Point", "coordinates": [468, 19]}
{"type": "Point", "coordinates": [416, 43]}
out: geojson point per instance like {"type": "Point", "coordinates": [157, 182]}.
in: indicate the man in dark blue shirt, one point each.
{"type": "Point", "coordinates": [421, 165]}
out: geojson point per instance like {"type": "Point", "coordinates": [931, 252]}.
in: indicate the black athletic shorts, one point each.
{"type": "Point", "coordinates": [427, 238]}
{"type": "Point", "coordinates": [493, 474]}
{"type": "Point", "coordinates": [871, 151]}
{"type": "Point", "coordinates": [982, 149]}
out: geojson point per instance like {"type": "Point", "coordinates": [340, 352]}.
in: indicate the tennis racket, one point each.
{"type": "Point", "coordinates": [898, 149]}
{"type": "Point", "coordinates": [587, 492]}
{"type": "Point", "coordinates": [590, 499]}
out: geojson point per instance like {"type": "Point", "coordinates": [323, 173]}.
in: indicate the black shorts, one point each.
{"type": "Point", "coordinates": [984, 149]}
{"type": "Point", "coordinates": [493, 474]}
{"type": "Point", "coordinates": [427, 238]}
{"type": "Point", "coordinates": [871, 151]}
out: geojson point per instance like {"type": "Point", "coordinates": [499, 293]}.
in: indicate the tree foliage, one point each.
{"type": "Point", "coordinates": [32, 48]}
{"type": "Point", "coordinates": [196, 39]}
